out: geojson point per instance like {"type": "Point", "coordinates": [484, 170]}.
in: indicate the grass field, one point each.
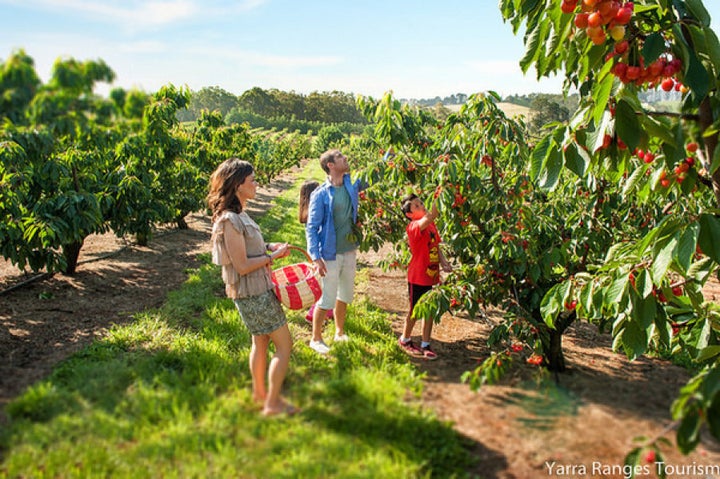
{"type": "Point", "coordinates": [169, 396]}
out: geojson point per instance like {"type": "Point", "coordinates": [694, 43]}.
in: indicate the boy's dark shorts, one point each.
{"type": "Point", "coordinates": [415, 291]}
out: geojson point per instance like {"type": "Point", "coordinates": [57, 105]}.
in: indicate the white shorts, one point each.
{"type": "Point", "coordinates": [339, 282]}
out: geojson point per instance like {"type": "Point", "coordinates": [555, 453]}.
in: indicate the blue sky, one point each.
{"type": "Point", "coordinates": [416, 49]}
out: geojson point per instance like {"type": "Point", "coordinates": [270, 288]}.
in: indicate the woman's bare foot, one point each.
{"type": "Point", "coordinates": [282, 408]}
{"type": "Point", "coordinates": [259, 400]}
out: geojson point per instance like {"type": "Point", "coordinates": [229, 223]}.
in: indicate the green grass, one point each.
{"type": "Point", "coordinates": [169, 396]}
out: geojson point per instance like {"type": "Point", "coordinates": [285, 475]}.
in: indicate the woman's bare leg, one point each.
{"type": "Point", "coordinates": [258, 366]}
{"type": "Point", "coordinates": [279, 363]}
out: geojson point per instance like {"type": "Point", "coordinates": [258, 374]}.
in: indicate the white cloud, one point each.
{"type": "Point", "coordinates": [135, 14]}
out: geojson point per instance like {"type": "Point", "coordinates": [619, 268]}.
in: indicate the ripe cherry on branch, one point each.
{"type": "Point", "coordinates": [600, 18]}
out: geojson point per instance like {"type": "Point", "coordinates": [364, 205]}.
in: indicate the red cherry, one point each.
{"type": "Point", "coordinates": [595, 19]}
{"type": "Point", "coordinates": [623, 16]}
{"type": "Point", "coordinates": [568, 7]}
{"type": "Point", "coordinates": [620, 70]}
{"type": "Point", "coordinates": [621, 47]}
{"type": "Point", "coordinates": [633, 73]}
{"type": "Point", "coordinates": [581, 20]}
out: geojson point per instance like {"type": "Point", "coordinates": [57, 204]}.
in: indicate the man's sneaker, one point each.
{"type": "Point", "coordinates": [319, 347]}
{"type": "Point", "coordinates": [410, 348]}
{"type": "Point", "coordinates": [340, 338]}
{"type": "Point", "coordinates": [428, 353]}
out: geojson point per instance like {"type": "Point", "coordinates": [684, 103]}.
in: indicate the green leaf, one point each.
{"type": "Point", "coordinates": [601, 93]}
{"type": "Point", "coordinates": [537, 160]}
{"type": "Point", "coordinates": [586, 296]}
{"type": "Point", "coordinates": [597, 136]}
{"type": "Point", "coordinates": [662, 258]}
{"type": "Point", "coordinates": [697, 9]}
{"type": "Point", "coordinates": [713, 47]}
{"type": "Point", "coordinates": [663, 328]}
{"type": "Point", "coordinates": [637, 175]}
{"type": "Point", "coordinates": [657, 128]}
{"type": "Point", "coordinates": [627, 125]}
{"type": "Point", "coordinates": [708, 353]}
{"type": "Point", "coordinates": [634, 340]}
{"type": "Point", "coordinates": [715, 162]}
{"type": "Point", "coordinates": [553, 303]}
{"type": "Point", "coordinates": [633, 458]}
{"type": "Point", "coordinates": [709, 238]}
{"type": "Point", "coordinates": [534, 44]}
{"type": "Point", "coordinates": [713, 417]}
{"type": "Point", "coordinates": [697, 77]}
{"type": "Point", "coordinates": [576, 159]}
{"type": "Point", "coordinates": [654, 47]}
{"type": "Point", "coordinates": [685, 250]}
{"type": "Point", "coordinates": [643, 310]}
{"type": "Point", "coordinates": [688, 434]}
{"type": "Point", "coordinates": [644, 283]}
{"type": "Point", "coordinates": [616, 290]}
{"type": "Point", "coordinates": [551, 169]}
{"type": "Point", "coordinates": [711, 383]}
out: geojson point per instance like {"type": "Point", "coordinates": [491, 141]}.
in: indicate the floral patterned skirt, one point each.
{"type": "Point", "coordinates": [262, 314]}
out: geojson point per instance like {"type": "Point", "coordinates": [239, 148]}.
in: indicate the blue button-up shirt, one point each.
{"type": "Point", "coordinates": [320, 228]}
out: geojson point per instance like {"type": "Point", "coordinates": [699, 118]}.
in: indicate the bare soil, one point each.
{"type": "Point", "coordinates": [582, 428]}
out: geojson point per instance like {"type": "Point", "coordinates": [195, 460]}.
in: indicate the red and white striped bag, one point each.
{"type": "Point", "coordinates": [297, 286]}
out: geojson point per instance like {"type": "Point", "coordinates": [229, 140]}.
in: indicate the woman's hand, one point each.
{"type": "Point", "coordinates": [279, 250]}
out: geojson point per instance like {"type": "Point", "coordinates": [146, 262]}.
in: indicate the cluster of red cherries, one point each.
{"type": "Point", "coordinates": [660, 72]}
{"type": "Point", "coordinates": [600, 18]}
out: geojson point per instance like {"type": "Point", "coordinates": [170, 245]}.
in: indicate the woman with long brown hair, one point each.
{"type": "Point", "coordinates": [238, 246]}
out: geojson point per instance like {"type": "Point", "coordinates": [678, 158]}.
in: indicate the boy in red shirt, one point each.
{"type": "Point", "coordinates": [423, 271]}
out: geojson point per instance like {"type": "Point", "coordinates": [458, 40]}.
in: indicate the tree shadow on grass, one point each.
{"type": "Point", "coordinates": [421, 438]}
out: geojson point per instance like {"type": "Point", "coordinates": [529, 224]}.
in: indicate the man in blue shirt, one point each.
{"type": "Point", "coordinates": [332, 214]}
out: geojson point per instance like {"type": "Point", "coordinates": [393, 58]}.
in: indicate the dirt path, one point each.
{"type": "Point", "coordinates": [584, 427]}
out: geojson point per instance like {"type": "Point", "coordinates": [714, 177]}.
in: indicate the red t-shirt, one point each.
{"type": "Point", "coordinates": [424, 268]}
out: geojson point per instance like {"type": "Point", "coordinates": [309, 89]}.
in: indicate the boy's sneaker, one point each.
{"type": "Point", "coordinates": [410, 348]}
{"type": "Point", "coordinates": [428, 353]}
{"type": "Point", "coordinates": [319, 347]}
{"type": "Point", "coordinates": [309, 314]}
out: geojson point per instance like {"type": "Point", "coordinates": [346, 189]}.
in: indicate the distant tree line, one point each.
{"type": "Point", "coordinates": [276, 108]}
{"type": "Point", "coordinates": [570, 102]}
{"type": "Point", "coordinates": [292, 111]}
{"type": "Point", "coordinates": [545, 108]}
{"type": "Point", "coordinates": [454, 99]}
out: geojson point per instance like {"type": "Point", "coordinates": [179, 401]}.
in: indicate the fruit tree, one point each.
{"type": "Point", "coordinates": [610, 217]}
{"type": "Point", "coordinates": [611, 52]}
